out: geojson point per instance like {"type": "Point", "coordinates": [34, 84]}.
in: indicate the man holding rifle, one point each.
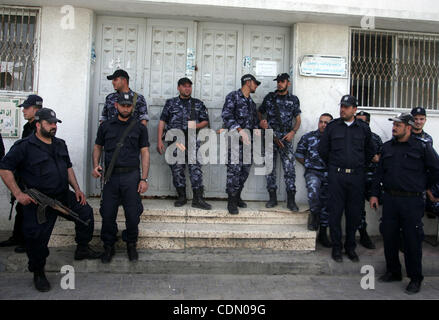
{"type": "Point", "coordinates": [42, 161]}
{"type": "Point", "coordinates": [282, 108]}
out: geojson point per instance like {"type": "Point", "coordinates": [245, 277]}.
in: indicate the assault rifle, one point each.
{"type": "Point", "coordinates": [44, 201]}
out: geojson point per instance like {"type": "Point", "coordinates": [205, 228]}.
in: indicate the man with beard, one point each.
{"type": "Point", "coordinates": [346, 146]}
{"type": "Point", "coordinates": [316, 177]}
{"type": "Point", "coordinates": [123, 140]}
{"type": "Point", "coordinates": [183, 113]}
{"type": "Point", "coordinates": [239, 113]}
{"type": "Point", "coordinates": [30, 106]}
{"type": "Point", "coordinates": [432, 195]}
{"type": "Point", "coordinates": [407, 166]}
{"type": "Point", "coordinates": [42, 161]}
{"type": "Point", "coordinates": [282, 108]}
{"type": "Point", "coordinates": [121, 81]}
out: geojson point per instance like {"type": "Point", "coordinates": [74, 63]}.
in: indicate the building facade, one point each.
{"type": "Point", "coordinates": [385, 53]}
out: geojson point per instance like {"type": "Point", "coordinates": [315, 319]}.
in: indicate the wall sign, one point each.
{"type": "Point", "coordinates": [9, 117]}
{"type": "Point", "coordinates": [323, 66]}
{"type": "Point", "coordinates": [266, 68]}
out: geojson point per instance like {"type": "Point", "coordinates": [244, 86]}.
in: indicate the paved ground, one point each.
{"type": "Point", "coordinates": [229, 287]}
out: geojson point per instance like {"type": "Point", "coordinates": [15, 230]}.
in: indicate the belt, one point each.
{"type": "Point", "coordinates": [124, 169]}
{"type": "Point", "coordinates": [347, 170]}
{"type": "Point", "coordinates": [401, 193]}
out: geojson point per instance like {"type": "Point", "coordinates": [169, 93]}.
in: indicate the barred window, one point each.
{"type": "Point", "coordinates": [395, 69]}
{"type": "Point", "coordinates": [18, 48]}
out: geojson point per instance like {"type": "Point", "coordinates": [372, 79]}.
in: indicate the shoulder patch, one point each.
{"type": "Point", "coordinates": [422, 139]}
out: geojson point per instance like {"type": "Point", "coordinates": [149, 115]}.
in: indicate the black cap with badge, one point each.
{"type": "Point", "coordinates": [46, 114]}
{"type": "Point", "coordinates": [348, 101]}
{"type": "Point", "coordinates": [282, 77]}
{"type": "Point", "coordinates": [248, 77]}
{"type": "Point", "coordinates": [119, 73]}
{"type": "Point", "coordinates": [125, 99]}
{"type": "Point", "coordinates": [32, 100]}
{"type": "Point", "coordinates": [418, 111]}
{"type": "Point", "coordinates": [404, 117]}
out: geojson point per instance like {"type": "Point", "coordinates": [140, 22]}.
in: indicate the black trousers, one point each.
{"type": "Point", "coordinates": [403, 213]}
{"type": "Point", "coordinates": [36, 236]}
{"type": "Point", "coordinates": [346, 193]}
{"type": "Point", "coordinates": [17, 233]}
{"type": "Point", "coordinates": [121, 188]}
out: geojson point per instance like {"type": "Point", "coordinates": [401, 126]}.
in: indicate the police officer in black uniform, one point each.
{"type": "Point", "coordinates": [346, 146]}
{"type": "Point", "coordinates": [126, 182]}
{"type": "Point", "coordinates": [402, 170]}
{"type": "Point", "coordinates": [30, 106]}
{"type": "Point", "coordinates": [42, 162]}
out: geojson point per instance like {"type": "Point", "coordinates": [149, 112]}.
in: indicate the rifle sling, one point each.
{"type": "Point", "coordinates": [119, 144]}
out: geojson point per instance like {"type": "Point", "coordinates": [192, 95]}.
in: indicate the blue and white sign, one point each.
{"type": "Point", "coordinates": [323, 66]}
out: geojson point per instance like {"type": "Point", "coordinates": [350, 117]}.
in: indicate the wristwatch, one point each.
{"type": "Point", "coordinates": [146, 180]}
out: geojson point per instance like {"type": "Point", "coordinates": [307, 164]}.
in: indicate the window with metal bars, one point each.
{"type": "Point", "coordinates": [18, 48]}
{"type": "Point", "coordinates": [395, 70]}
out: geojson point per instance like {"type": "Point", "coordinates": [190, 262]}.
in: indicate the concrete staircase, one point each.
{"type": "Point", "coordinates": [163, 226]}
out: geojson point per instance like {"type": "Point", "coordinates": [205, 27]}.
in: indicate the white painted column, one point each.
{"type": "Point", "coordinates": [64, 79]}
{"type": "Point", "coordinates": [317, 95]}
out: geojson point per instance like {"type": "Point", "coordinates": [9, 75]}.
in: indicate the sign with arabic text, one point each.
{"type": "Point", "coordinates": [323, 66]}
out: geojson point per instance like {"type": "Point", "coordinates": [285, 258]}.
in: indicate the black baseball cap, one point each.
{"type": "Point", "coordinates": [119, 73]}
{"type": "Point", "coordinates": [32, 100]}
{"type": "Point", "coordinates": [417, 111]}
{"type": "Point", "coordinates": [404, 117]}
{"type": "Point", "coordinates": [183, 81]}
{"type": "Point", "coordinates": [247, 77]}
{"type": "Point", "coordinates": [364, 113]}
{"type": "Point", "coordinates": [282, 77]}
{"type": "Point", "coordinates": [348, 100]}
{"type": "Point", "coordinates": [125, 99]}
{"type": "Point", "coordinates": [46, 114]}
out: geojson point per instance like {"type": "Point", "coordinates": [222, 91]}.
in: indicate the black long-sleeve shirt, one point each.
{"type": "Point", "coordinates": [403, 166]}
{"type": "Point", "coordinates": [346, 146]}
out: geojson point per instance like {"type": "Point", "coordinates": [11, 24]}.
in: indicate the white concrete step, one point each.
{"type": "Point", "coordinates": [198, 235]}
{"type": "Point", "coordinates": [255, 213]}
{"type": "Point", "coordinates": [163, 226]}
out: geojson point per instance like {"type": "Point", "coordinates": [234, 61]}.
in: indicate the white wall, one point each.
{"type": "Point", "coordinates": [64, 78]}
{"type": "Point", "coordinates": [317, 95]}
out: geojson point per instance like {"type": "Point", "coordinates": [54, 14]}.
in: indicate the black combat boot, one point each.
{"type": "Point", "coordinates": [20, 249]}
{"type": "Point", "coordinates": [313, 221]}
{"type": "Point", "coordinates": [40, 281]}
{"type": "Point", "coordinates": [232, 204]}
{"type": "Point", "coordinates": [132, 251]}
{"type": "Point", "coordinates": [273, 199]}
{"type": "Point", "coordinates": [85, 252]}
{"type": "Point", "coordinates": [181, 200]}
{"type": "Point", "coordinates": [10, 242]}
{"type": "Point", "coordinates": [291, 203]}
{"type": "Point", "coordinates": [198, 200]}
{"type": "Point", "coordinates": [108, 254]}
{"type": "Point", "coordinates": [365, 240]}
{"type": "Point", "coordinates": [323, 238]}
{"type": "Point", "coordinates": [241, 203]}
